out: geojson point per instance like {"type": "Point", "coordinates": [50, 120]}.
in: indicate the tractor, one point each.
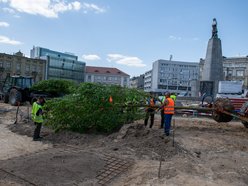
{"type": "Point", "coordinates": [16, 90]}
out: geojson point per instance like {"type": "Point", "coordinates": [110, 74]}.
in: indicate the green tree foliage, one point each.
{"type": "Point", "coordinates": [55, 87]}
{"type": "Point", "coordinates": [89, 109]}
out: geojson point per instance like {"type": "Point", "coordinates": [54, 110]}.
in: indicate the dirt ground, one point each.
{"type": "Point", "coordinates": [203, 152]}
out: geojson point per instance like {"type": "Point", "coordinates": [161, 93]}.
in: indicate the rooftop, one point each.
{"type": "Point", "coordinates": [104, 70]}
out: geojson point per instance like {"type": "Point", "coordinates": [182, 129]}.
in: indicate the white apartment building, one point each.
{"type": "Point", "coordinates": [172, 76]}
{"type": "Point", "coordinates": [106, 75]}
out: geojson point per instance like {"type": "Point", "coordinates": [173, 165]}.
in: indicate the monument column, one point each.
{"type": "Point", "coordinates": [213, 65]}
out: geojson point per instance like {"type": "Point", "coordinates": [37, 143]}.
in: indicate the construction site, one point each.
{"type": "Point", "coordinates": [199, 151]}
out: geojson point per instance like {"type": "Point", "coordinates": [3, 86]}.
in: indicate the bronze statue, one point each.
{"type": "Point", "coordinates": [214, 30]}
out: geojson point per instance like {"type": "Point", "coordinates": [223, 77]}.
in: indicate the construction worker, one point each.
{"type": "Point", "coordinates": [162, 112]}
{"type": "Point", "coordinates": [150, 110]}
{"type": "Point", "coordinates": [168, 113]}
{"type": "Point", "coordinates": [173, 96]}
{"type": "Point", "coordinates": [37, 117]}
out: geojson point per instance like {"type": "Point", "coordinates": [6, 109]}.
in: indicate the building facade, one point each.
{"type": "Point", "coordinates": [148, 81]}
{"type": "Point", "coordinates": [60, 65]}
{"type": "Point", "coordinates": [172, 76]}
{"type": "Point", "coordinates": [18, 64]}
{"type": "Point", "coordinates": [234, 68]}
{"type": "Point", "coordinates": [137, 82]}
{"type": "Point", "coordinates": [106, 75]}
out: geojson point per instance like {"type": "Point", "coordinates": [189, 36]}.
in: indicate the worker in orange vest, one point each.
{"type": "Point", "coordinates": [168, 113]}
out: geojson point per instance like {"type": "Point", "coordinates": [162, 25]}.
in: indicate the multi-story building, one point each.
{"type": "Point", "coordinates": [60, 65]}
{"type": "Point", "coordinates": [137, 82]}
{"type": "Point", "coordinates": [18, 64]}
{"type": "Point", "coordinates": [235, 69]}
{"type": "Point", "coordinates": [148, 81]}
{"type": "Point", "coordinates": [106, 75]}
{"type": "Point", "coordinates": [173, 76]}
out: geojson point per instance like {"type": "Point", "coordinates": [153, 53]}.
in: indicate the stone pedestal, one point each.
{"type": "Point", "coordinates": [213, 65]}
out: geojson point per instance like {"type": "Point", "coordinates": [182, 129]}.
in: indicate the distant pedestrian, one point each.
{"type": "Point", "coordinates": [168, 113]}
{"type": "Point", "coordinates": [150, 111]}
{"type": "Point", "coordinates": [37, 117]}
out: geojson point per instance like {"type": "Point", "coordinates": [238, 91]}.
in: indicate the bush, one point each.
{"type": "Point", "coordinates": [55, 87]}
{"type": "Point", "coordinates": [89, 108]}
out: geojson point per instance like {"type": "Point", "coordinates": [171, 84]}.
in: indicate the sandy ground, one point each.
{"type": "Point", "coordinates": [204, 153]}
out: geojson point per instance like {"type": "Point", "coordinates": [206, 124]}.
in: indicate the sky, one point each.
{"type": "Point", "coordinates": [126, 34]}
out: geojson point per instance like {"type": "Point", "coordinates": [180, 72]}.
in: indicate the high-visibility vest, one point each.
{"type": "Point", "coordinates": [169, 108]}
{"type": "Point", "coordinates": [151, 103]}
{"type": "Point", "coordinates": [35, 108]}
{"type": "Point", "coordinates": [174, 97]}
{"type": "Point", "coordinates": [163, 99]}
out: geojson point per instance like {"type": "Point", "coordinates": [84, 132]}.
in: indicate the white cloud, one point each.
{"type": "Point", "coordinates": [196, 39]}
{"type": "Point", "coordinates": [4, 24]}
{"type": "Point", "coordinates": [174, 38]}
{"type": "Point", "coordinates": [76, 5]}
{"type": "Point", "coordinates": [91, 57]}
{"type": "Point", "coordinates": [9, 10]}
{"type": "Point", "coordinates": [6, 40]}
{"type": "Point", "coordinates": [49, 8]}
{"type": "Point", "coordinates": [92, 7]}
{"type": "Point", "coordinates": [126, 60]}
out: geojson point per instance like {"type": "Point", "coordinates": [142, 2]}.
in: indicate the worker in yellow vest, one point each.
{"type": "Point", "coordinates": [173, 96]}
{"type": "Point", "coordinates": [37, 117]}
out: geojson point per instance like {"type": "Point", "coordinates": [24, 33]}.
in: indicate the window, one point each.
{"type": "Point", "coordinates": [18, 66]}
{"type": "Point", "coordinates": [8, 65]}
{"type": "Point", "coordinates": [1, 64]}
{"type": "Point", "coordinates": [89, 77]}
{"type": "Point", "coordinates": [27, 68]}
{"type": "Point", "coordinates": [39, 69]}
{"type": "Point", "coordinates": [240, 73]}
{"type": "Point", "coordinates": [33, 68]}
{"type": "Point", "coordinates": [229, 73]}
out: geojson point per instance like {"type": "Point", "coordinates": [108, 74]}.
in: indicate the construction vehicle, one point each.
{"type": "Point", "coordinates": [16, 90]}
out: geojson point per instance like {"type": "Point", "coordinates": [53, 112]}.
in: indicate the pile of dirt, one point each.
{"type": "Point", "coordinates": [131, 139]}
{"type": "Point", "coordinates": [143, 142]}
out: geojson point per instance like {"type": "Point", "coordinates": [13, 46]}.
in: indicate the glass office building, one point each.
{"type": "Point", "coordinates": [60, 65]}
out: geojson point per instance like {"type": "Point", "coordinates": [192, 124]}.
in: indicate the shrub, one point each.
{"type": "Point", "coordinates": [89, 108]}
{"type": "Point", "coordinates": [55, 87]}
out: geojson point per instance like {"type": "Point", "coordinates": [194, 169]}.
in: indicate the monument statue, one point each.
{"type": "Point", "coordinates": [214, 29]}
{"type": "Point", "coordinates": [212, 71]}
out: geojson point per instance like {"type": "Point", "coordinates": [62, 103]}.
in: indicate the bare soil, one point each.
{"type": "Point", "coordinates": [203, 152]}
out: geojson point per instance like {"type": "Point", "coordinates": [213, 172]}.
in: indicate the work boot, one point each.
{"type": "Point", "coordinates": [38, 139]}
